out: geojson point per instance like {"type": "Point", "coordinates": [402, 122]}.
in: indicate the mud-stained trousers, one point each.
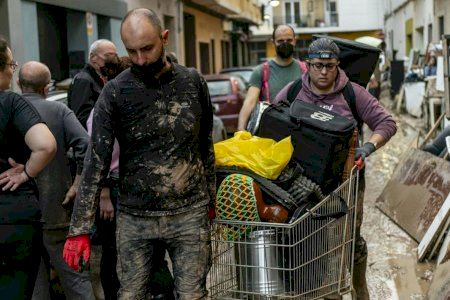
{"type": "Point", "coordinates": [186, 237]}
{"type": "Point", "coordinates": [360, 260]}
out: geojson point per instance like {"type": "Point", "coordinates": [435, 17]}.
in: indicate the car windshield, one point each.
{"type": "Point", "coordinates": [219, 87]}
{"type": "Point", "coordinates": [245, 74]}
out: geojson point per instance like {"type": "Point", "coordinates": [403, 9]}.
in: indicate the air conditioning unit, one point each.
{"type": "Point", "coordinates": [227, 25]}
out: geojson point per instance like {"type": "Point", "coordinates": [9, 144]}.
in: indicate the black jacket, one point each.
{"type": "Point", "coordinates": [83, 93]}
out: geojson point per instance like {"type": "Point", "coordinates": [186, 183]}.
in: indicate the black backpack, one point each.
{"type": "Point", "coordinates": [348, 92]}
{"type": "Point", "coordinates": [321, 138]}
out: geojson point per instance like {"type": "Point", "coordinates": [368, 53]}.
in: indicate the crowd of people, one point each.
{"type": "Point", "coordinates": [161, 196]}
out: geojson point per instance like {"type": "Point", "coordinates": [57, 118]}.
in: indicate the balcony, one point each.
{"type": "Point", "coordinates": [250, 12]}
{"type": "Point", "coordinates": [223, 7]}
{"type": "Point", "coordinates": [326, 20]}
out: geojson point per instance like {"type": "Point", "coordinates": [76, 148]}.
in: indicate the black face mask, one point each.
{"type": "Point", "coordinates": [285, 50]}
{"type": "Point", "coordinates": [151, 69]}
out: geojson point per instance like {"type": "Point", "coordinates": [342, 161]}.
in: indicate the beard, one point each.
{"type": "Point", "coordinates": [150, 70]}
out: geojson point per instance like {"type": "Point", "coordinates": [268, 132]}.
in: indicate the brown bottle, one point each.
{"type": "Point", "coordinates": [274, 213]}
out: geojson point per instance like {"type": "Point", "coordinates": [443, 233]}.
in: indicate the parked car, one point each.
{"type": "Point", "coordinates": [245, 72]}
{"type": "Point", "coordinates": [58, 96]}
{"type": "Point", "coordinates": [227, 96]}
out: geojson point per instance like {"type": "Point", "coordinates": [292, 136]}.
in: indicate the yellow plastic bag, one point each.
{"type": "Point", "coordinates": [263, 156]}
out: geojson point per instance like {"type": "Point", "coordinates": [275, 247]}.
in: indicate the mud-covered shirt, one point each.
{"type": "Point", "coordinates": [164, 129]}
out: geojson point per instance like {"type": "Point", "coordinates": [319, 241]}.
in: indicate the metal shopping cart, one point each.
{"type": "Point", "coordinates": [308, 259]}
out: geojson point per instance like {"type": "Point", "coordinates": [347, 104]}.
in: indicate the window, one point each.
{"type": "Point", "coordinates": [287, 8]}
{"type": "Point", "coordinates": [219, 87]}
{"type": "Point", "coordinates": [441, 27]}
{"type": "Point", "coordinates": [334, 16]}
{"type": "Point", "coordinates": [292, 12]}
{"type": "Point", "coordinates": [430, 33]}
{"type": "Point", "coordinates": [257, 52]}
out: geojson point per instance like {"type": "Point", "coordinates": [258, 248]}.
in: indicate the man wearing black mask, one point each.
{"type": "Point", "coordinates": [161, 115]}
{"type": "Point", "coordinates": [270, 77]}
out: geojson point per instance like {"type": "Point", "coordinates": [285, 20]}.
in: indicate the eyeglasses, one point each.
{"type": "Point", "coordinates": [320, 66]}
{"type": "Point", "coordinates": [14, 64]}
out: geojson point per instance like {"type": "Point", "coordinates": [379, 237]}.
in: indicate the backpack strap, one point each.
{"type": "Point", "coordinates": [303, 68]}
{"type": "Point", "coordinates": [349, 95]}
{"type": "Point", "coordinates": [294, 89]}
{"type": "Point", "coordinates": [265, 83]}
{"type": "Point", "coordinates": [348, 92]}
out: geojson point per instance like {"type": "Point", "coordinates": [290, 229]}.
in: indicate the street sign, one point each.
{"type": "Point", "coordinates": [89, 23]}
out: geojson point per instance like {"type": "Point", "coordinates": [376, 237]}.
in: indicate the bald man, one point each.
{"type": "Point", "coordinates": [87, 85]}
{"type": "Point", "coordinates": [161, 114]}
{"type": "Point", "coordinates": [56, 189]}
{"type": "Point", "coordinates": [270, 77]}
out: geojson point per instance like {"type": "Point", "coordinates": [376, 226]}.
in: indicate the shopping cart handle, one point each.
{"type": "Point", "coordinates": [359, 163]}
{"type": "Point", "coordinates": [343, 210]}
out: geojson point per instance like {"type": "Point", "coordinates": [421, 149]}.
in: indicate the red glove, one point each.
{"type": "Point", "coordinates": [211, 213]}
{"type": "Point", "coordinates": [77, 247]}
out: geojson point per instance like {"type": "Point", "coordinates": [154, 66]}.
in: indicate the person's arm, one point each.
{"type": "Point", "coordinates": [206, 141]}
{"type": "Point", "coordinates": [76, 137]}
{"type": "Point", "coordinates": [252, 97]}
{"type": "Point", "coordinates": [377, 118]}
{"type": "Point", "coordinates": [72, 192]}
{"type": "Point", "coordinates": [43, 148]}
{"type": "Point", "coordinates": [250, 102]}
{"type": "Point", "coordinates": [105, 203]}
{"type": "Point", "coordinates": [81, 99]}
{"type": "Point", "coordinates": [96, 164]}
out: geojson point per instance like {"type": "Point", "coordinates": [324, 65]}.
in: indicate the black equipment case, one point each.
{"type": "Point", "coordinates": [320, 138]}
{"type": "Point", "coordinates": [358, 60]}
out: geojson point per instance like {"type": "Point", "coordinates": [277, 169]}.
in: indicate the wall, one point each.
{"type": "Point", "coordinates": [356, 15]}
{"type": "Point", "coordinates": [172, 8]}
{"type": "Point", "coordinates": [115, 36]}
{"type": "Point", "coordinates": [395, 29]}
{"type": "Point", "coordinates": [208, 27]}
{"type": "Point", "coordinates": [76, 30]}
{"type": "Point", "coordinates": [442, 8]}
{"type": "Point", "coordinates": [30, 31]}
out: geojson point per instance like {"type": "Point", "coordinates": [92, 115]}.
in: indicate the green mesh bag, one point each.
{"type": "Point", "coordinates": [236, 201]}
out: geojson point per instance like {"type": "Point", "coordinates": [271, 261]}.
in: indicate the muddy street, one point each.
{"type": "Point", "coordinates": [393, 271]}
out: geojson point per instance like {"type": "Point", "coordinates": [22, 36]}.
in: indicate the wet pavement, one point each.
{"type": "Point", "coordinates": [393, 271]}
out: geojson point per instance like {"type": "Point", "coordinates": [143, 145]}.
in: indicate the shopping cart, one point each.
{"type": "Point", "coordinates": [308, 259]}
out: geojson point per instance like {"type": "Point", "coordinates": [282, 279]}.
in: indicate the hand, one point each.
{"type": "Point", "coordinates": [70, 196]}
{"type": "Point", "coordinates": [77, 247]}
{"type": "Point", "coordinates": [13, 177]}
{"type": "Point", "coordinates": [362, 153]}
{"type": "Point", "coordinates": [72, 192]}
{"type": "Point", "coordinates": [106, 207]}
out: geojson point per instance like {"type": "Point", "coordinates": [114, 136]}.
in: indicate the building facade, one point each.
{"type": "Point", "coordinates": [217, 33]}
{"type": "Point", "coordinates": [412, 24]}
{"type": "Point", "coordinates": [348, 19]}
{"type": "Point", "coordinates": [59, 32]}
{"type": "Point", "coordinates": [206, 34]}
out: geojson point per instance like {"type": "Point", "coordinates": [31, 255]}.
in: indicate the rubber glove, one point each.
{"type": "Point", "coordinates": [363, 152]}
{"type": "Point", "coordinates": [77, 251]}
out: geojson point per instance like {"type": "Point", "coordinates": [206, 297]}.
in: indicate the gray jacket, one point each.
{"type": "Point", "coordinates": [55, 180]}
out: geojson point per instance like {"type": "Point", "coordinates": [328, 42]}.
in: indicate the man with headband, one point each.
{"type": "Point", "coordinates": [323, 85]}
